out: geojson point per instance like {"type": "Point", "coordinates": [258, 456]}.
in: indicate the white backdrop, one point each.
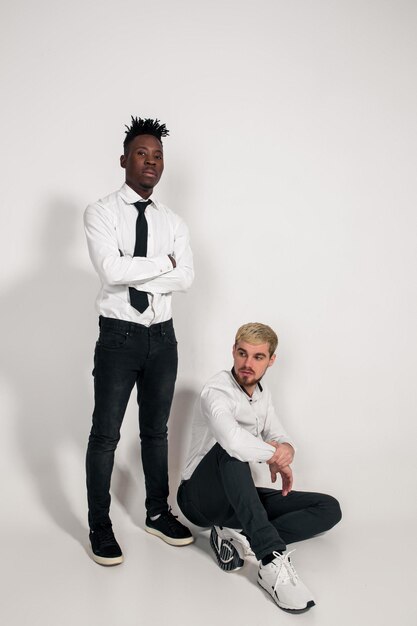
{"type": "Point", "coordinates": [292, 158]}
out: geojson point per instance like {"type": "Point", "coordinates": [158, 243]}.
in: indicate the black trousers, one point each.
{"type": "Point", "coordinates": [127, 354]}
{"type": "Point", "coordinates": [221, 492]}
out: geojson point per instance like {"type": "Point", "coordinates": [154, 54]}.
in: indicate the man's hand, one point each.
{"type": "Point", "coordinates": [283, 455]}
{"type": "Point", "coordinates": [286, 476]}
{"type": "Point", "coordinates": [173, 261]}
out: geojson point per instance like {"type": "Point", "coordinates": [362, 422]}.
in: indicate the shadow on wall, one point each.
{"type": "Point", "coordinates": [45, 359]}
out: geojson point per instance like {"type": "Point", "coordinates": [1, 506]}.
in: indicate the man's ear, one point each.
{"type": "Point", "coordinates": [123, 161]}
{"type": "Point", "coordinates": [272, 360]}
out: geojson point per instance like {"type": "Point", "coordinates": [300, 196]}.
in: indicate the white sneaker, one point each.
{"type": "Point", "coordinates": [281, 581]}
{"type": "Point", "coordinates": [230, 547]}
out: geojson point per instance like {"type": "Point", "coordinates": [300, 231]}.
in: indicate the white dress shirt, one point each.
{"type": "Point", "coordinates": [239, 423]}
{"type": "Point", "coordinates": [110, 226]}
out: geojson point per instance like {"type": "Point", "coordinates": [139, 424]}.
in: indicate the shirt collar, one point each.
{"type": "Point", "coordinates": [130, 196]}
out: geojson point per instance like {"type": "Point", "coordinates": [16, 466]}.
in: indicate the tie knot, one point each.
{"type": "Point", "coordinates": [141, 205]}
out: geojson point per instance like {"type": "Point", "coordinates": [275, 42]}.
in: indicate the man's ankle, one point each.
{"type": "Point", "coordinates": [270, 557]}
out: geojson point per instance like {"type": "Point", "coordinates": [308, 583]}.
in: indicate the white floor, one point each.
{"type": "Point", "coordinates": [360, 575]}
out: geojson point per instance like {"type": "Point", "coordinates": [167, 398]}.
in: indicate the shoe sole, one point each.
{"type": "Point", "coordinates": [229, 559]}
{"type": "Point", "coordinates": [282, 605]}
{"type": "Point", "coordinates": [185, 541]}
{"type": "Point", "coordinates": [102, 560]}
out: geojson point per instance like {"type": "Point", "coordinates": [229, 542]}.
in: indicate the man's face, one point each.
{"type": "Point", "coordinates": [250, 362]}
{"type": "Point", "coordinates": [144, 164]}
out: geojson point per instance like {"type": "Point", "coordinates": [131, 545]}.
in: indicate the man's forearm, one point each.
{"type": "Point", "coordinates": [178, 279]}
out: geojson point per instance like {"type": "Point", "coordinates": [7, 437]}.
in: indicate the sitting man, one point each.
{"type": "Point", "coordinates": [236, 424]}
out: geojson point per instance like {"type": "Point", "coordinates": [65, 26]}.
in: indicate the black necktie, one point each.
{"type": "Point", "coordinates": [139, 299]}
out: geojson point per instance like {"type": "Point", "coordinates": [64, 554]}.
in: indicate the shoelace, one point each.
{"type": "Point", "coordinates": [286, 571]}
{"type": "Point", "coordinates": [243, 541]}
{"type": "Point", "coordinates": [247, 550]}
{"type": "Point", "coordinates": [171, 518]}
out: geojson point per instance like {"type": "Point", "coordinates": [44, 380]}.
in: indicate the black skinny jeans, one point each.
{"type": "Point", "coordinates": [127, 354]}
{"type": "Point", "coordinates": [221, 492]}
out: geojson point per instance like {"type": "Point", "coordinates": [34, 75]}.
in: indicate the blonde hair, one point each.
{"type": "Point", "coordinates": [258, 333]}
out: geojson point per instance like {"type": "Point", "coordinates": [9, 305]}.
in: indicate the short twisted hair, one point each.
{"type": "Point", "coordinates": [257, 333]}
{"type": "Point", "coordinates": [145, 126]}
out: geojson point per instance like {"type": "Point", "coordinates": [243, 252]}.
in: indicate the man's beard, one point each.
{"type": "Point", "coordinates": [248, 379]}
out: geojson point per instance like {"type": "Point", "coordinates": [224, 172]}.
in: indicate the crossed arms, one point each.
{"type": "Point", "coordinates": [160, 274]}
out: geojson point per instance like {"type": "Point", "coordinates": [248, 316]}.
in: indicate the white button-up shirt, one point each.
{"type": "Point", "coordinates": [239, 423]}
{"type": "Point", "coordinates": [110, 226]}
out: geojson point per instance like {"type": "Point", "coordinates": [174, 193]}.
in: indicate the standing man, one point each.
{"type": "Point", "coordinates": [141, 252]}
{"type": "Point", "coordinates": [236, 424]}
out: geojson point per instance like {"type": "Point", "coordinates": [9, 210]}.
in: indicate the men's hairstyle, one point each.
{"type": "Point", "coordinates": [258, 333]}
{"type": "Point", "coordinates": [145, 126]}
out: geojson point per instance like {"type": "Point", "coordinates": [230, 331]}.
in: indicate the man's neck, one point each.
{"type": "Point", "coordinates": [143, 193]}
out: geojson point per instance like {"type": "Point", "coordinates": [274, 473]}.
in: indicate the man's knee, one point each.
{"type": "Point", "coordinates": [225, 457]}
{"type": "Point", "coordinates": [154, 436]}
{"type": "Point", "coordinates": [227, 462]}
{"type": "Point", "coordinates": [102, 443]}
{"type": "Point", "coordinates": [333, 511]}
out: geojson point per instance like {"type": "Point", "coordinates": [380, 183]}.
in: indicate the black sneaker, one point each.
{"type": "Point", "coordinates": [106, 550]}
{"type": "Point", "coordinates": [168, 528]}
